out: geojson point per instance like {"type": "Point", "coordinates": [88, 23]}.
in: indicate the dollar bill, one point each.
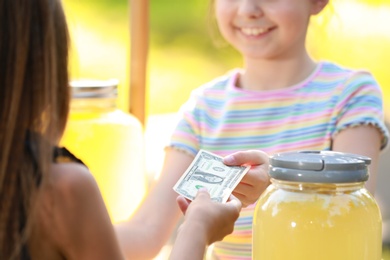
{"type": "Point", "coordinates": [208, 170]}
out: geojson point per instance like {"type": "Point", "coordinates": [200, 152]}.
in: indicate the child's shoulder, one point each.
{"type": "Point", "coordinates": [70, 182]}
{"type": "Point", "coordinates": [333, 73]}
{"type": "Point", "coordinates": [333, 69]}
{"type": "Point", "coordinates": [334, 78]}
{"type": "Point", "coordinates": [68, 189]}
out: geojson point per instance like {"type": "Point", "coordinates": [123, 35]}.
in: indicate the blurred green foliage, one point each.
{"type": "Point", "coordinates": [182, 52]}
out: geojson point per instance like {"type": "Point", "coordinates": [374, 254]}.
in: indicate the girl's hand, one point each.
{"type": "Point", "coordinates": [214, 219]}
{"type": "Point", "coordinates": [256, 180]}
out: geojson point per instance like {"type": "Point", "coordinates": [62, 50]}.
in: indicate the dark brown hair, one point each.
{"type": "Point", "coordinates": [34, 98]}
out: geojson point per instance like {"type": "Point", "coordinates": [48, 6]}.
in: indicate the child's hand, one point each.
{"type": "Point", "coordinates": [214, 219]}
{"type": "Point", "coordinates": [256, 180]}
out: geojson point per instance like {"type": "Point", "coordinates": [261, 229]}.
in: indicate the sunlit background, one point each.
{"type": "Point", "coordinates": [184, 52]}
{"type": "Point", "coordinates": [355, 33]}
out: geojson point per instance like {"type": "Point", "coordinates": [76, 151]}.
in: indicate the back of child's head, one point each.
{"type": "Point", "coordinates": [34, 97]}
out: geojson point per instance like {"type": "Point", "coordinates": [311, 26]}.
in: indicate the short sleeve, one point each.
{"type": "Point", "coordinates": [185, 136]}
{"type": "Point", "coordinates": [360, 103]}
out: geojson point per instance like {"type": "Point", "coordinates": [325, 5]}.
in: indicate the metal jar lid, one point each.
{"type": "Point", "coordinates": [94, 88]}
{"type": "Point", "coordinates": [319, 167]}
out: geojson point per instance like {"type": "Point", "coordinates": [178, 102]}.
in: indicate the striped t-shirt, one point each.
{"type": "Point", "coordinates": [221, 118]}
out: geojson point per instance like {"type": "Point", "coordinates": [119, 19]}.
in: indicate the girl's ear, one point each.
{"type": "Point", "coordinates": [318, 6]}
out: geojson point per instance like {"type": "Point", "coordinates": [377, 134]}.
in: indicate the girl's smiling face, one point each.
{"type": "Point", "coordinates": [266, 29]}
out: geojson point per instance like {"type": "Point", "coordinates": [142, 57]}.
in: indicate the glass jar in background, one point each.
{"type": "Point", "coordinates": [317, 208]}
{"type": "Point", "coordinates": [110, 142]}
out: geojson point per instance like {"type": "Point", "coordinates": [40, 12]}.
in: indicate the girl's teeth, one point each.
{"type": "Point", "coordinates": [253, 31]}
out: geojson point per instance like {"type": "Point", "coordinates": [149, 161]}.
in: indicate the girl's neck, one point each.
{"type": "Point", "coordinates": [275, 74]}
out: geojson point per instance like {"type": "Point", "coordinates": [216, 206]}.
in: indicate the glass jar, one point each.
{"type": "Point", "coordinates": [317, 208]}
{"type": "Point", "coordinates": [110, 142]}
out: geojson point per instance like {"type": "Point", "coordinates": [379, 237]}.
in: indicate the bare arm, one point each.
{"type": "Point", "coordinates": [362, 140]}
{"type": "Point", "coordinates": [143, 236]}
{"type": "Point", "coordinates": [205, 222]}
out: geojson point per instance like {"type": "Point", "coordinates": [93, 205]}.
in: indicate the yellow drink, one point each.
{"type": "Point", "coordinates": [110, 143]}
{"type": "Point", "coordinates": [302, 220]}
{"type": "Point", "coordinates": [338, 225]}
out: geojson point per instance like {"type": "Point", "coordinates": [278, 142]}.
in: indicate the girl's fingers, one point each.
{"type": "Point", "coordinates": [250, 157]}
{"type": "Point", "coordinates": [183, 203]}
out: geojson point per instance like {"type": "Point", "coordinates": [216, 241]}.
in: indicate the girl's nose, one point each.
{"type": "Point", "coordinates": [250, 8]}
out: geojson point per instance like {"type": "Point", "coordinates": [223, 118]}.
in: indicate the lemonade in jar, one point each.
{"type": "Point", "coordinates": [317, 208]}
{"type": "Point", "coordinates": [111, 144]}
